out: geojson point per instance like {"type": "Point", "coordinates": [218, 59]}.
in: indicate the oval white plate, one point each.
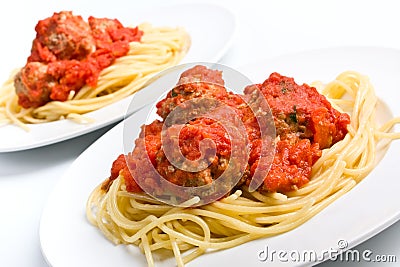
{"type": "Point", "coordinates": [218, 27]}
{"type": "Point", "coordinates": [67, 238]}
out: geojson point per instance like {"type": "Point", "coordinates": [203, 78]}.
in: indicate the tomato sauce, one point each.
{"type": "Point", "coordinates": [305, 124]}
{"type": "Point", "coordinates": [69, 53]}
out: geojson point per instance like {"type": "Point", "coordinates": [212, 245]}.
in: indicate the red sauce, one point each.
{"type": "Point", "coordinates": [68, 53]}
{"type": "Point", "coordinates": [305, 124]}
{"type": "Point", "coordinates": [302, 110]}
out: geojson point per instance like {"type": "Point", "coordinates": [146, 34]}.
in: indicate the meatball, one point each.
{"type": "Point", "coordinates": [33, 85]}
{"type": "Point", "coordinates": [197, 82]}
{"type": "Point", "coordinates": [184, 140]}
{"type": "Point", "coordinates": [301, 112]}
{"type": "Point", "coordinates": [60, 37]}
{"type": "Point", "coordinates": [305, 124]}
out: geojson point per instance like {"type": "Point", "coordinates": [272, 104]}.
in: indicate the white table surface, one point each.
{"type": "Point", "coordinates": [264, 29]}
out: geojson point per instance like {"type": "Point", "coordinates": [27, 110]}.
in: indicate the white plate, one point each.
{"type": "Point", "coordinates": [218, 27]}
{"type": "Point", "coordinates": [67, 239]}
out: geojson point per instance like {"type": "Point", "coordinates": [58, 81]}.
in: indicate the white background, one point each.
{"type": "Point", "coordinates": [264, 29]}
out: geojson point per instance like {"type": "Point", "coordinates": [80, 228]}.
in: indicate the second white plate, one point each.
{"type": "Point", "coordinates": [210, 39]}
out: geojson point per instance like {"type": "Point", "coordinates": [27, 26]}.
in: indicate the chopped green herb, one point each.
{"type": "Point", "coordinates": [293, 115]}
{"type": "Point", "coordinates": [173, 93]}
{"type": "Point", "coordinates": [284, 88]}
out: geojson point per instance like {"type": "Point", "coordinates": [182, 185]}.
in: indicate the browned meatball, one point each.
{"type": "Point", "coordinates": [62, 36]}
{"type": "Point", "coordinates": [33, 85]}
{"type": "Point", "coordinates": [197, 82]}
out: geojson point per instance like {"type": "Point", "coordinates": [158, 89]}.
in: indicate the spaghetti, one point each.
{"type": "Point", "coordinates": [159, 48]}
{"type": "Point", "coordinates": [136, 218]}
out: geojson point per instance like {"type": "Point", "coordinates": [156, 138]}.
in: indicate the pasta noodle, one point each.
{"type": "Point", "coordinates": [134, 218]}
{"type": "Point", "coordinates": [159, 48]}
